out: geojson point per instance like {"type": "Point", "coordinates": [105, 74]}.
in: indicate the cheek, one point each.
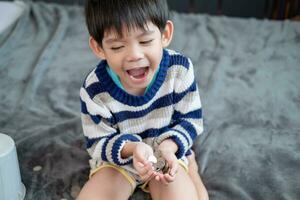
{"type": "Point", "coordinates": [115, 65]}
{"type": "Point", "coordinates": [113, 59]}
{"type": "Point", "coordinates": [156, 56]}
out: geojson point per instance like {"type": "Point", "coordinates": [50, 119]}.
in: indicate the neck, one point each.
{"type": "Point", "coordinates": [134, 91]}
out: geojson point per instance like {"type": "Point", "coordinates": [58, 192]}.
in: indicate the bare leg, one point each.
{"type": "Point", "coordinates": [181, 188]}
{"type": "Point", "coordinates": [106, 184]}
{"type": "Point", "coordinates": [194, 175]}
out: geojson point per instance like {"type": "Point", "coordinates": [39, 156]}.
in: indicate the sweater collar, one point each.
{"type": "Point", "coordinates": [108, 85]}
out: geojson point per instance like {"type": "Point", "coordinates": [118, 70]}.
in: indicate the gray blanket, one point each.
{"type": "Point", "coordinates": [248, 72]}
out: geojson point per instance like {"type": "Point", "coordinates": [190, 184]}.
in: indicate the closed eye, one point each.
{"type": "Point", "coordinates": [116, 48]}
{"type": "Point", "coordinates": [146, 41]}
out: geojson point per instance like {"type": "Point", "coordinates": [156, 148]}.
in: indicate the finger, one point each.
{"type": "Point", "coordinates": [142, 157]}
{"type": "Point", "coordinates": [173, 167]}
{"type": "Point", "coordinates": [148, 176]}
{"type": "Point", "coordinates": [149, 167]}
{"type": "Point", "coordinates": [163, 179]}
{"type": "Point", "coordinates": [144, 168]}
{"type": "Point", "coordinates": [145, 162]}
{"type": "Point", "coordinates": [169, 178]}
{"type": "Point", "coordinates": [140, 164]}
{"type": "Point", "coordinates": [173, 170]}
{"type": "Point", "coordinates": [143, 171]}
{"type": "Point", "coordinates": [147, 170]}
{"type": "Point", "coordinates": [157, 177]}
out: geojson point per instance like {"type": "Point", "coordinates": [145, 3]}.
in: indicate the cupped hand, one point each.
{"type": "Point", "coordinates": [141, 153]}
{"type": "Point", "coordinates": [172, 161]}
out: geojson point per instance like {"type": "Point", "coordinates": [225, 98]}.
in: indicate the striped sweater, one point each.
{"type": "Point", "coordinates": [170, 109]}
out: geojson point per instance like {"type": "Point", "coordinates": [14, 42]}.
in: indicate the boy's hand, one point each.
{"type": "Point", "coordinates": [144, 168]}
{"type": "Point", "coordinates": [173, 165]}
{"type": "Point", "coordinates": [168, 149]}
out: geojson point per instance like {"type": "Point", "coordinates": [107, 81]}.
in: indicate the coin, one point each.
{"type": "Point", "coordinates": [152, 159]}
{"type": "Point", "coordinates": [161, 164]}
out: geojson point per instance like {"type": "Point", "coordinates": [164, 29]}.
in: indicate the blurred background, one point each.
{"type": "Point", "coordinates": [271, 9]}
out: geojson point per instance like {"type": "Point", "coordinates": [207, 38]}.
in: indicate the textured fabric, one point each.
{"type": "Point", "coordinates": [248, 75]}
{"type": "Point", "coordinates": [171, 108]}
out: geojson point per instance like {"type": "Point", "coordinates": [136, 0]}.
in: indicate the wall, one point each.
{"type": "Point", "coordinates": [274, 9]}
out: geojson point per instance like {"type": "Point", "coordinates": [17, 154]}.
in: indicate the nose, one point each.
{"type": "Point", "coordinates": [134, 53]}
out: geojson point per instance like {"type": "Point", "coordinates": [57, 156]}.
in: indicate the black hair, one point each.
{"type": "Point", "coordinates": [107, 15]}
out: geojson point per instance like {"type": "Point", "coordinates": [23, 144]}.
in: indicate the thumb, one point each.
{"type": "Point", "coordinates": [173, 164]}
{"type": "Point", "coordinates": [174, 169]}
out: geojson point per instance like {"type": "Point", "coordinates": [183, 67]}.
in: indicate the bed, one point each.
{"type": "Point", "coordinates": [248, 72]}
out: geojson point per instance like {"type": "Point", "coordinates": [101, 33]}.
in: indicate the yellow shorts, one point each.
{"type": "Point", "coordinates": [130, 177]}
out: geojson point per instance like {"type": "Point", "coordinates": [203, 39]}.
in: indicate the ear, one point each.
{"type": "Point", "coordinates": [96, 48]}
{"type": "Point", "coordinates": [167, 34]}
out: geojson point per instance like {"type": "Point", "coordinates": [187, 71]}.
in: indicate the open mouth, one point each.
{"type": "Point", "coordinates": [138, 73]}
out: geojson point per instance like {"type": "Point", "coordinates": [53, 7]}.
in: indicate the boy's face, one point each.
{"type": "Point", "coordinates": [136, 56]}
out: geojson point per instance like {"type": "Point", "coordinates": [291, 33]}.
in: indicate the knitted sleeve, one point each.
{"type": "Point", "coordinates": [103, 142]}
{"type": "Point", "coordinates": [187, 121]}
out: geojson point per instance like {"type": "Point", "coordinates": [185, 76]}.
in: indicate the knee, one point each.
{"type": "Point", "coordinates": [104, 195]}
{"type": "Point", "coordinates": [107, 184]}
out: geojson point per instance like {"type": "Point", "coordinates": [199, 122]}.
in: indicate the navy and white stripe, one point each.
{"type": "Point", "coordinates": [171, 109]}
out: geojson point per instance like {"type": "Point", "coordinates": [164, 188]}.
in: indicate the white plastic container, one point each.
{"type": "Point", "coordinates": [11, 187]}
{"type": "Point", "coordinates": [10, 13]}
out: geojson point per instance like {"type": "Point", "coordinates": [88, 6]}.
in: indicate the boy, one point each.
{"type": "Point", "coordinates": [140, 103]}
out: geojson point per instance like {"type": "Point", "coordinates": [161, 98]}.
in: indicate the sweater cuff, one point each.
{"type": "Point", "coordinates": [179, 138]}
{"type": "Point", "coordinates": [115, 146]}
